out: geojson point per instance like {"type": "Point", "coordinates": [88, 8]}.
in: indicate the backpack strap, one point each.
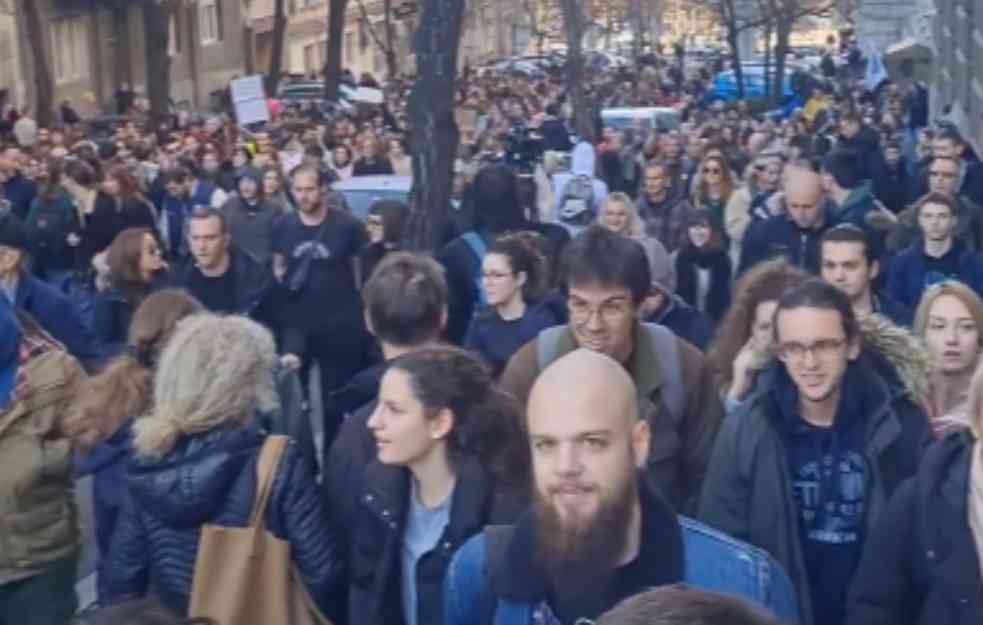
{"type": "Point", "coordinates": [670, 368]}
{"type": "Point", "coordinates": [479, 248]}
{"type": "Point", "coordinates": [476, 244]}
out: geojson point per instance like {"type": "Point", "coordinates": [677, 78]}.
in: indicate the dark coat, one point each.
{"type": "Point", "coordinates": [256, 292]}
{"type": "Point", "coordinates": [892, 185]}
{"type": "Point", "coordinates": [377, 541]}
{"type": "Point", "coordinates": [54, 312]}
{"type": "Point", "coordinates": [688, 263]}
{"type": "Point", "coordinates": [778, 237]}
{"type": "Point", "coordinates": [108, 219]}
{"type": "Point", "coordinates": [748, 491]}
{"type": "Point", "coordinates": [921, 564]}
{"type": "Point", "coordinates": [908, 276]}
{"type": "Point", "coordinates": [379, 166]}
{"type": "Point", "coordinates": [20, 192]}
{"type": "Point", "coordinates": [685, 322]}
{"type": "Point", "coordinates": [112, 314]}
{"type": "Point", "coordinates": [211, 478]}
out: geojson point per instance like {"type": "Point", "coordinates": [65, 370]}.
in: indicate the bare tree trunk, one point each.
{"type": "Point", "coordinates": [336, 35]}
{"type": "Point", "coordinates": [431, 111]}
{"type": "Point", "coordinates": [783, 31]}
{"type": "Point", "coordinates": [276, 54]}
{"type": "Point", "coordinates": [583, 109]}
{"type": "Point", "coordinates": [43, 87]}
{"type": "Point", "coordinates": [392, 59]}
{"type": "Point", "coordinates": [248, 40]}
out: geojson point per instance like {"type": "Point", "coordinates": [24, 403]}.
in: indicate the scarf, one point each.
{"type": "Point", "coordinates": [975, 503]}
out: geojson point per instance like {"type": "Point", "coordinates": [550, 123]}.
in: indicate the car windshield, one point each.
{"type": "Point", "coordinates": [359, 201]}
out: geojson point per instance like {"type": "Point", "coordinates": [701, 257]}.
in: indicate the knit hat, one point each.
{"type": "Point", "coordinates": [12, 232]}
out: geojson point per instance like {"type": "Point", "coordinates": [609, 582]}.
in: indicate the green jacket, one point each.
{"type": "Point", "coordinates": [38, 518]}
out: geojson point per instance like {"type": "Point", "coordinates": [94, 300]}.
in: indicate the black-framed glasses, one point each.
{"type": "Point", "coordinates": [823, 348]}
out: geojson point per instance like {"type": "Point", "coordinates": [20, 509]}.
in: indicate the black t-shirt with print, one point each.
{"type": "Point", "coordinates": [330, 296]}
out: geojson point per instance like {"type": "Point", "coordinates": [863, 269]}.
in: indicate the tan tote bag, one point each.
{"type": "Point", "coordinates": [244, 575]}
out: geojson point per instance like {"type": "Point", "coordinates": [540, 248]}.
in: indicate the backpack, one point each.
{"type": "Point", "coordinates": [673, 395]}
{"type": "Point", "coordinates": [479, 248]}
{"type": "Point", "coordinates": [577, 201]}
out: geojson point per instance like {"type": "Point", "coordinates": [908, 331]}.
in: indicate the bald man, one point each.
{"type": "Point", "coordinates": [598, 531]}
{"type": "Point", "coordinates": [794, 235]}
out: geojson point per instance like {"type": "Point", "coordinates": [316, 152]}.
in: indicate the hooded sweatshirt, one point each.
{"type": "Point", "coordinates": [828, 473]}
{"type": "Point", "coordinates": [251, 222]}
{"type": "Point", "coordinates": [582, 164]}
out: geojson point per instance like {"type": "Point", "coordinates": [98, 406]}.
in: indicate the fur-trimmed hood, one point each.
{"type": "Point", "coordinates": [903, 353]}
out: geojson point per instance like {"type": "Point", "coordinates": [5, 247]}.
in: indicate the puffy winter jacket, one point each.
{"type": "Point", "coordinates": [211, 478]}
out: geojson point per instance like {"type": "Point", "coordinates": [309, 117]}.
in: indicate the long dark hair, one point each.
{"type": "Point", "coordinates": [123, 258]}
{"type": "Point", "coordinates": [486, 419]}
{"type": "Point", "coordinates": [122, 390]}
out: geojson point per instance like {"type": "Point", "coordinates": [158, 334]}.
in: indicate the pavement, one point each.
{"type": "Point", "coordinates": [85, 587]}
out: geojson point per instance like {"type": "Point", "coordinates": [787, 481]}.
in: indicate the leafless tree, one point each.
{"type": "Point", "coordinates": [43, 87]}
{"type": "Point", "coordinates": [434, 134]}
{"type": "Point", "coordinates": [336, 34]}
{"type": "Point", "coordinates": [276, 54]}
{"type": "Point", "coordinates": [385, 42]}
{"type": "Point", "coordinates": [574, 20]}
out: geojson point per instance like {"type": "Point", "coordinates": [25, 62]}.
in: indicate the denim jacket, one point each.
{"type": "Point", "coordinates": [714, 562]}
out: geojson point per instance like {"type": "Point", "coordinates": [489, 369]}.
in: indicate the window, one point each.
{"type": "Point", "coordinates": [310, 58]}
{"type": "Point", "coordinates": [349, 48]}
{"type": "Point", "coordinates": [173, 37]}
{"type": "Point", "coordinates": [70, 49]}
{"type": "Point", "coordinates": [210, 20]}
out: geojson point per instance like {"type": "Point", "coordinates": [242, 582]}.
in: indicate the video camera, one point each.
{"type": "Point", "coordinates": [523, 148]}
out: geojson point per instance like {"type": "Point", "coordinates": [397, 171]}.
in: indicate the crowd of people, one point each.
{"type": "Point", "coordinates": [719, 373]}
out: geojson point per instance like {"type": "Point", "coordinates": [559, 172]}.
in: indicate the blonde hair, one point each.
{"type": "Point", "coordinates": [956, 289]}
{"type": "Point", "coordinates": [974, 411]}
{"type": "Point", "coordinates": [635, 227]}
{"type": "Point", "coordinates": [214, 371]}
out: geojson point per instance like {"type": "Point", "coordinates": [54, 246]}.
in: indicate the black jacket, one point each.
{"type": "Point", "coordinates": [688, 264]}
{"type": "Point", "coordinates": [211, 478]}
{"type": "Point", "coordinates": [920, 565]}
{"type": "Point", "coordinates": [256, 292]}
{"type": "Point", "coordinates": [780, 237]}
{"type": "Point", "coordinates": [377, 541]}
{"type": "Point", "coordinates": [892, 185]}
{"type": "Point", "coordinates": [685, 322]}
{"type": "Point", "coordinates": [108, 219]}
{"type": "Point", "coordinates": [748, 491]}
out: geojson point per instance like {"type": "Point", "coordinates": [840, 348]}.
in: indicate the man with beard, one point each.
{"type": "Point", "coordinates": [606, 278]}
{"type": "Point", "coordinates": [598, 531]}
{"type": "Point", "coordinates": [594, 535]}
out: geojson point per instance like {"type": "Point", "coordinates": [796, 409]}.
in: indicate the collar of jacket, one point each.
{"type": "Point", "coordinates": [864, 392]}
{"type": "Point", "coordinates": [387, 491]}
{"type": "Point", "coordinates": [856, 196]}
{"type": "Point", "coordinates": [514, 573]}
{"type": "Point", "coordinates": [251, 278]}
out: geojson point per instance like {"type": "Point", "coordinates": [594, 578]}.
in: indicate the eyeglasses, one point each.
{"type": "Point", "coordinates": [823, 348]}
{"type": "Point", "coordinates": [610, 311]}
